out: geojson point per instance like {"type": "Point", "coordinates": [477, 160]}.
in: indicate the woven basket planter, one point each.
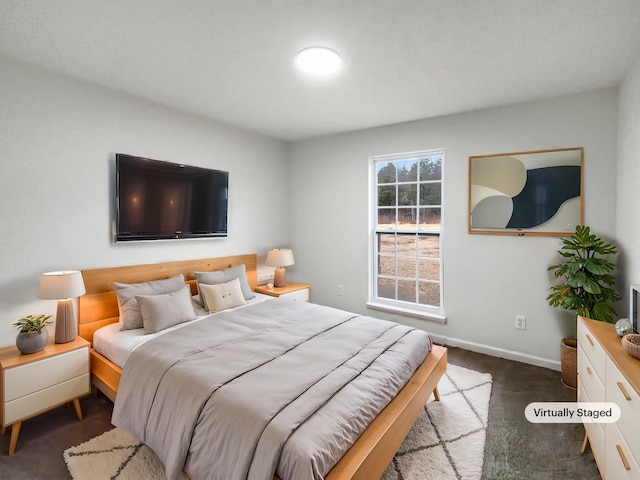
{"type": "Point", "coordinates": [569, 362]}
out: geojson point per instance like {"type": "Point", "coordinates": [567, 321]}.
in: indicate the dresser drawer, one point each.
{"type": "Point", "coordinates": [620, 464]}
{"type": "Point", "coordinates": [596, 432]}
{"type": "Point", "coordinates": [592, 349]}
{"type": "Point", "coordinates": [620, 392]}
{"type": "Point", "coordinates": [32, 377]}
{"type": "Point", "coordinates": [297, 296]}
{"type": "Point", "coordinates": [42, 400]}
{"type": "Point", "coordinates": [589, 380]}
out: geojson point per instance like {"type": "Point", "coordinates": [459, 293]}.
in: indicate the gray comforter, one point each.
{"type": "Point", "coordinates": [278, 387]}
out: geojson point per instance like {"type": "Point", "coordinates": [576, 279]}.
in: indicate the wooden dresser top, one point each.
{"type": "Point", "coordinates": [606, 335]}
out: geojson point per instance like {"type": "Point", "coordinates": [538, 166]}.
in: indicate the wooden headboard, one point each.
{"type": "Point", "coordinates": [99, 306]}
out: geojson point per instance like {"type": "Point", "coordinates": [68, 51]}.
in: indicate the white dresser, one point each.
{"type": "Point", "coordinates": [606, 373]}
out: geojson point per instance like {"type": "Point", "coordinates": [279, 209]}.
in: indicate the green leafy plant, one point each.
{"type": "Point", "coordinates": [33, 323]}
{"type": "Point", "coordinates": [588, 287]}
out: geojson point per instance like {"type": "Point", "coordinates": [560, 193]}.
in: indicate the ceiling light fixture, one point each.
{"type": "Point", "coordinates": [318, 61]}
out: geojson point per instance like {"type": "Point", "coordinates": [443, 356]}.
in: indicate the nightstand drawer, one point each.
{"type": "Point", "coordinates": [44, 399]}
{"type": "Point", "coordinates": [32, 377]}
{"type": "Point", "coordinates": [297, 296]}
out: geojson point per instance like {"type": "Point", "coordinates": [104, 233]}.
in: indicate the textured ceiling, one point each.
{"type": "Point", "coordinates": [404, 60]}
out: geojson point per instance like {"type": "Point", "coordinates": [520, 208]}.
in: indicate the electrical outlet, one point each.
{"type": "Point", "coordinates": [265, 277]}
{"type": "Point", "coordinates": [521, 322]}
{"type": "Point", "coordinates": [340, 290]}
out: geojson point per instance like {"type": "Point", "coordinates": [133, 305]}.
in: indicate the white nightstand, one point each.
{"type": "Point", "coordinates": [298, 292]}
{"type": "Point", "coordinates": [34, 383]}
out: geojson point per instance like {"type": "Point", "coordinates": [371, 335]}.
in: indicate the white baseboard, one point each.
{"type": "Point", "coordinates": [497, 352]}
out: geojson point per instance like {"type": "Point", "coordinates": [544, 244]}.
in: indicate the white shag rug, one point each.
{"type": "Point", "coordinates": [447, 441]}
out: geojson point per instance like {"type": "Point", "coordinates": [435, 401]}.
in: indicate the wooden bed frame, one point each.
{"type": "Point", "coordinates": [369, 455]}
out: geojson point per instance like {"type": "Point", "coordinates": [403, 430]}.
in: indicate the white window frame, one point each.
{"type": "Point", "coordinates": [426, 312]}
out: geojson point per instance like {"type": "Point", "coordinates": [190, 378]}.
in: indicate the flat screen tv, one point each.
{"type": "Point", "coordinates": [158, 200]}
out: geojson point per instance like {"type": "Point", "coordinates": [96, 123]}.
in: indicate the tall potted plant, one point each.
{"type": "Point", "coordinates": [587, 287]}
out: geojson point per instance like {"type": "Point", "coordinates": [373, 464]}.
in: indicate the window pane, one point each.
{"type": "Point", "coordinates": [430, 193]}
{"type": "Point", "coordinates": [386, 265]}
{"type": "Point", "coordinates": [429, 294]}
{"type": "Point", "coordinates": [407, 267]}
{"type": "Point", "coordinates": [429, 246]}
{"type": "Point", "coordinates": [429, 269]}
{"type": "Point", "coordinates": [430, 219]}
{"type": "Point", "coordinates": [407, 290]}
{"type": "Point", "coordinates": [431, 168]}
{"type": "Point", "coordinates": [407, 217]}
{"type": "Point", "coordinates": [407, 171]}
{"type": "Point", "coordinates": [407, 194]}
{"type": "Point", "coordinates": [386, 288]}
{"type": "Point", "coordinates": [407, 244]}
{"type": "Point", "coordinates": [386, 218]}
{"type": "Point", "coordinates": [386, 242]}
{"type": "Point", "coordinates": [386, 172]}
{"type": "Point", "coordinates": [387, 196]}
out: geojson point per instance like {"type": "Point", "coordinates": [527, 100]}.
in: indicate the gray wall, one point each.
{"type": "Point", "coordinates": [488, 279]}
{"type": "Point", "coordinates": [628, 181]}
{"type": "Point", "coordinates": [57, 147]}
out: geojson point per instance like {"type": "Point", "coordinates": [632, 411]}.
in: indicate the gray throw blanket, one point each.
{"type": "Point", "coordinates": [279, 386]}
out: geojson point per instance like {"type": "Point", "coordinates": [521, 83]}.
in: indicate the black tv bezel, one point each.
{"type": "Point", "coordinates": [119, 237]}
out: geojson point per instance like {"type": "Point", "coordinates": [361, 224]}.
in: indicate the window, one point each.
{"type": "Point", "coordinates": [406, 199]}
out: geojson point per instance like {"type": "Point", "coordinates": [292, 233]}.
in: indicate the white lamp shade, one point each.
{"type": "Point", "coordinates": [280, 257]}
{"type": "Point", "coordinates": [59, 285]}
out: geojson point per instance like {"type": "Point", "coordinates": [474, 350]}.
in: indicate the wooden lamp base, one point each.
{"type": "Point", "coordinates": [66, 329]}
{"type": "Point", "coordinates": [279, 277]}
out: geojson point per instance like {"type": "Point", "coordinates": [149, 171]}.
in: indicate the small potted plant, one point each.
{"type": "Point", "coordinates": [587, 287]}
{"type": "Point", "coordinates": [33, 335]}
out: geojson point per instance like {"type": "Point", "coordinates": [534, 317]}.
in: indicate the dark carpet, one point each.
{"type": "Point", "coordinates": [515, 448]}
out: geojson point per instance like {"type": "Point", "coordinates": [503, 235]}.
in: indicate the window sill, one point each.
{"type": "Point", "coordinates": [421, 314]}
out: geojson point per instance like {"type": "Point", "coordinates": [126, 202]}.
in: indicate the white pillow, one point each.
{"type": "Point", "coordinates": [226, 275]}
{"type": "Point", "coordinates": [165, 310]}
{"type": "Point", "coordinates": [223, 295]}
{"type": "Point", "coordinates": [130, 316]}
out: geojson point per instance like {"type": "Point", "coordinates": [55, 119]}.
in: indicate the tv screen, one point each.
{"type": "Point", "coordinates": [157, 200]}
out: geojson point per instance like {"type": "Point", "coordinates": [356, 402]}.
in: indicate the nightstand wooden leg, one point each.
{"type": "Point", "coordinates": [15, 431]}
{"type": "Point", "coordinates": [436, 394]}
{"type": "Point", "coordinates": [4, 429]}
{"type": "Point", "coordinates": [76, 405]}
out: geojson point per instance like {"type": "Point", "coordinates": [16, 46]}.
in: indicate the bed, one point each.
{"type": "Point", "coordinates": [370, 453]}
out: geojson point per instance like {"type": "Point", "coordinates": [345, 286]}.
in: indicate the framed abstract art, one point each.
{"type": "Point", "coordinates": [526, 193]}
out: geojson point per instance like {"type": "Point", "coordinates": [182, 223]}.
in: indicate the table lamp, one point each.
{"type": "Point", "coordinates": [63, 286]}
{"type": "Point", "coordinates": [279, 258]}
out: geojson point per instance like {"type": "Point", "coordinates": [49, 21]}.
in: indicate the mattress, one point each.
{"type": "Point", "coordinates": [117, 346]}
